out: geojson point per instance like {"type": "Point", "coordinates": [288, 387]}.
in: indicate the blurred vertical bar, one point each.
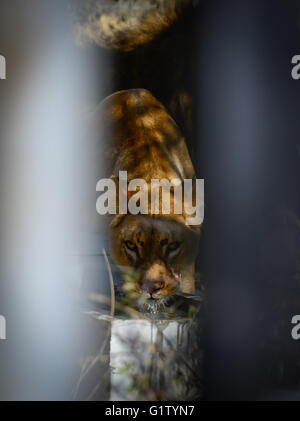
{"type": "Point", "coordinates": [249, 158]}
{"type": "Point", "coordinates": [44, 169]}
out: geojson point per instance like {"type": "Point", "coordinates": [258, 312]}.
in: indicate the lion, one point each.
{"type": "Point", "coordinates": [155, 252]}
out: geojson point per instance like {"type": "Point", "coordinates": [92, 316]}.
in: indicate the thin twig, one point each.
{"type": "Point", "coordinates": [102, 299]}
{"type": "Point", "coordinates": [87, 368]}
{"type": "Point", "coordinates": [112, 287]}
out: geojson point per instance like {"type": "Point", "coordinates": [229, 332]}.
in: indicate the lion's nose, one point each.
{"type": "Point", "coordinates": [153, 287]}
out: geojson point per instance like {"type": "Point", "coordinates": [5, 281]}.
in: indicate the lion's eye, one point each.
{"type": "Point", "coordinates": [130, 245]}
{"type": "Point", "coordinates": [174, 246]}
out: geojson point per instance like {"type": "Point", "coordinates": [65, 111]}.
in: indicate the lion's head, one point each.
{"type": "Point", "coordinates": [156, 256]}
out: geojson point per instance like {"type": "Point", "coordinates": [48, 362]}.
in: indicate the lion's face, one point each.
{"type": "Point", "coordinates": [156, 256]}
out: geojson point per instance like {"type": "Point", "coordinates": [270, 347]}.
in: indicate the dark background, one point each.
{"type": "Point", "coordinates": [250, 131]}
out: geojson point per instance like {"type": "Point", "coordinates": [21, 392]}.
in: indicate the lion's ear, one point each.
{"type": "Point", "coordinates": [117, 219]}
{"type": "Point", "coordinates": [194, 228]}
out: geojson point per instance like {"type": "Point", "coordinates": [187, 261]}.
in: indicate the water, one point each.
{"type": "Point", "coordinates": [150, 351]}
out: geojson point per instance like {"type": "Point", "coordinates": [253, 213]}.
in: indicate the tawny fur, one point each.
{"type": "Point", "coordinates": [141, 138]}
